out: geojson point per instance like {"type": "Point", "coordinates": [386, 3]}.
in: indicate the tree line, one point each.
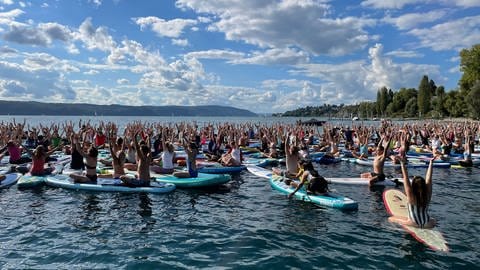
{"type": "Point", "coordinates": [428, 101]}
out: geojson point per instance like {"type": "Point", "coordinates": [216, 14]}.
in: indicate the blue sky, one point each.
{"type": "Point", "coordinates": [260, 55]}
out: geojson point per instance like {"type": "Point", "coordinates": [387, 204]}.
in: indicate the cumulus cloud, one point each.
{"type": "Point", "coordinates": [8, 17]}
{"type": "Point", "coordinates": [455, 34]}
{"type": "Point", "coordinates": [179, 76]}
{"type": "Point", "coordinates": [404, 54]}
{"type": "Point", "coordinates": [97, 3]}
{"type": "Point", "coordinates": [394, 4]}
{"type": "Point", "coordinates": [7, 50]}
{"type": "Point", "coordinates": [287, 56]}
{"type": "Point", "coordinates": [172, 29]}
{"type": "Point", "coordinates": [91, 72]}
{"type": "Point", "coordinates": [355, 79]}
{"type": "Point", "coordinates": [411, 20]}
{"type": "Point", "coordinates": [6, 2]}
{"type": "Point", "coordinates": [42, 35]}
{"type": "Point", "coordinates": [216, 54]}
{"type": "Point", "coordinates": [180, 42]}
{"type": "Point", "coordinates": [33, 83]}
{"type": "Point", "coordinates": [94, 38]}
{"type": "Point", "coordinates": [399, 4]}
{"type": "Point", "coordinates": [273, 24]}
{"type": "Point", "coordinates": [123, 81]}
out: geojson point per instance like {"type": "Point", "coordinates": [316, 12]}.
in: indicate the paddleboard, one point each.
{"type": "Point", "coordinates": [329, 200]}
{"type": "Point", "coordinates": [396, 205]}
{"type": "Point", "coordinates": [29, 181]}
{"type": "Point", "coordinates": [221, 169]}
{"type": "Point", "coordinates": [11, 178]}
{"type": "Point", "coordinates": [107, 185]}
{"type": "Point", "coordinates": [259, 171]}
{"type": "Point", "coordinates": [203, 180]}
{"type": "Point", "coordinates": [361, 181]}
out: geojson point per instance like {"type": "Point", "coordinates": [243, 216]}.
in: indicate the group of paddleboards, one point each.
{"type": "Point", "coordinates": [395, 201]}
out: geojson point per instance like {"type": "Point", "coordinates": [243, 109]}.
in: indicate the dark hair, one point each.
{"type": "Point", "coordinates": [419, 190]}
{"type": "Point", "coordinates": [119, 141]}
{"type": "Point", "coordinates": [39, 151]}
{"type": "Point", "coordinates": [318, 184]}
{"type": "Point", "coordinates": [193, 145]}
{"type": "Point", "coordinates": [308, 166]}
{"type": "Point", "coordinates": [93, 152]}
{"type": "Point", "coordinates": [145, 149]}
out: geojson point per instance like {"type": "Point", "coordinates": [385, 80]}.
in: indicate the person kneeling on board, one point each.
{"type": "Point", "coordinates": [309, 177]}
{"type": "Point", "coordinates": [419, 194]}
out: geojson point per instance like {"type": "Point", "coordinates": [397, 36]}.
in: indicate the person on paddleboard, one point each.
{"type": "Point", "coordinates": [309, 177]}
{"type": "Point", "coordinates": [39, 158]}
{"type": "Point", "coordinates": [292, 157]}
{"type": "Point", "coordinates": [419, 194]}
{"type": "Point", "coordinates": [90, 161]}
{"type": "Point", "coordinates": [378, 162]}
{"type": "Point", "coordinates": [144, 159]}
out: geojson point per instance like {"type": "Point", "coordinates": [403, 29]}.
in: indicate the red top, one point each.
{"type": "Point", "coordinates": [37, 166]}
{"type": "Point", "coordinates": [100, 139]}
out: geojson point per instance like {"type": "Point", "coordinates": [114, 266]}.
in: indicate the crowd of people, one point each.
{"type": "Point", "coordinates": [150, 147]}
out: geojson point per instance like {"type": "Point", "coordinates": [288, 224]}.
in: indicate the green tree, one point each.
{"type": "Point", "coordinates": [382, 100]}
{"type": "Point", "coordinates": [401, 98]}
{"type": "Point", "coordinates": [411, 109]}
{"type": "Point", "coordinates": [440, 100]}
{"type": "Point", "coordinates": [455, 104]}
{"type": "Point", "coordinates": [470, 66]}
{"type": "Point", "coordinates": [473, 100]}
{"type": "Point", "coordinates": [424, 96]}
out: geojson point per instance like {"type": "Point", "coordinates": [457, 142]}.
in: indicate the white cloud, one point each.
{"type": "Point", "coordinates": [6, 2]}
{"type": "Point", "coordinates": [394, 4]}
{"type": "Point", "coordinates": [454, 70]}
{"type": "Point", "coordinates": [399, 4]}
{"type": "Point", "coordinates": [42, 35]}
{"type": "Point", "coordinates": [355, 79]}
{"type": "Point", "coordinates": [123, 81]}
{"type": "Point", "coordinates": [404, 54]}
{"type": "Point", "coordinates": [216, 54]}
{"type": "Point", "coordinates": [7, 50]}
{"type": "Point", "coordinates": [286, 56]}
{"type": "Point", "coordinates": [180, 42]}
{"type": "Point", "coordinates": [91, 72]}
{"type": "Point", "coordinates": [411, 20]}
{"type": "Point", "coordinates": [97, 3]}
{"type": "Point", "coordinates": [273, 24]}
{"type": "Point", "coordinates": [451, 35]}
{"type": "Point", "coordinates": [177, 76]}
{"type": "Point", "coordinates": [44, 5]}
{"type": "Point", "coordinates": [172, 29]}
{"type": "Point", "coordinates": [464, 3]}
{"type": "Point", "coordinates": [455, 59]}
{"type": "Point", "coordinates": [33, 83]}
{"type": "Point", "coordinates": [94, 39]}
{"type": "Point", "coordinates": [8, 17]}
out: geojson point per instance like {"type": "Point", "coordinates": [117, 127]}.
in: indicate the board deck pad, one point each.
{"type": "Point", "coordinates": [396, 205]}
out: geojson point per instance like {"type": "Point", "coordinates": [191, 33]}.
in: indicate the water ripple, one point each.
{"type": "Point", "coordinates": [245, 224]}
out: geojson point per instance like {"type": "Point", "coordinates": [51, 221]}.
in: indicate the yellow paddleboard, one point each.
{"type": "Point", "coordinates": [396, 205]}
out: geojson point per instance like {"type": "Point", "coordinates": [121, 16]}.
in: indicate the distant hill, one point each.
{"type": "Point", "coordinates": [81, 109]}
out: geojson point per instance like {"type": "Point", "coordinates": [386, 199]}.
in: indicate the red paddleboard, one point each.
{"type": "Point", "coordinates": [396, 205]}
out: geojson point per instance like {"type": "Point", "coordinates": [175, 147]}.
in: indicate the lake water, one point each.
{"type": "Point", "coordinates": [245, 225]}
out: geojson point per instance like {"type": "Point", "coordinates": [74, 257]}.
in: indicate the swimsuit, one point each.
{"type": "Point", "coordinates": [380, 176]}
{"type": "Point", "coordinates": [419, 215]}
